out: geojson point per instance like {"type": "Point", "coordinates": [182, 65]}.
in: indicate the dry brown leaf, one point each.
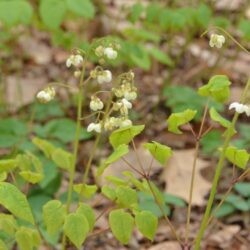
{"type": "Point", "coordinates": [177, 175]}
{"type": "Point", "coordinates": [169, 245]}
{"type": "Point", "coordinates": [223, 237]}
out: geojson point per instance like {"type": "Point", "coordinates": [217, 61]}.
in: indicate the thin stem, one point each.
{"type": "Point", "coordinates": [217, 175]}
{"type": "Point", "coordinates": [76, 144]}
{"type": "Point", "coordinates": [137, 157]}
{"type": "Point", "coordinates": [61, 85]}
{"type": "Point", "coordinates": [197, 145]}
{"type": "Point", "coordinates": [230, 36]}
{"type": "Point", "coordinates": [192, 130]}
{"type": "Point", "coordinates": [163, 213]}
{"type": "Point", "coordinates": [150, 165]}
{"type": "Point", "coordinates": [132, 167]}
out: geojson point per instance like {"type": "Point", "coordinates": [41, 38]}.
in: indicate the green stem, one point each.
{"type": "Point", "coordinates": [76, 144]}
{"type": "Point", "coordinates": [217, 175]}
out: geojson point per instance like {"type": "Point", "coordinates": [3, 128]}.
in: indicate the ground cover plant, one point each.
{"type": "Point", "coordinates": [87, 161]}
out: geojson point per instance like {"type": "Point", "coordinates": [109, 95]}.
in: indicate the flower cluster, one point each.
{"type": "Point", "coordinates": [240, 108]}
{"type": "Point", "coordinates": [46, 95]}
{"type": "Point", "coordinates": [117, 115]}
{"type": "Point", "coordinates": [107, 52]}
{"type": "Point", "coordinates": [216, 40]}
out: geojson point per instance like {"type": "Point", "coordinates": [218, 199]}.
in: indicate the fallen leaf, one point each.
{"type": "Point", "coordinates": [169, 245]}
{"type": "Point", "coordinates": [177, 176]}
{"type": "Point", "coordinates": [224, 237]}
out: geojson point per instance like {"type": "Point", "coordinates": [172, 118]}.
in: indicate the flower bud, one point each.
{"type": "Point", "coordinates": [216, 40]}
{"type": "Point", "coordinates": [110, 53]}
{"type": "Point", "coordinates": [46, 95]}
{"type": "Point", "coordinates": [104, 77]}
{"type": "Point", "coordinates": [96, 104]}
{"type": "Point", "coordinates": [94, 127]}
{"type": "Point", "coordinates": [75, 60]}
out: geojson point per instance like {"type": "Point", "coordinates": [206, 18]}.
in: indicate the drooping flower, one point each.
{"type": "Point", "coordinates": [96, 104]}
{"type": "Point", "coordinates": [75, 60]}
{"type": "Point", "coordinates": [110, 53]}
{"type": "Point", "coordinates": [216, 40]}
{"type": "Point", "coordinates": [125, 123]}
{"type": "Point", "coordinates": [104, 77]}
{"type": "Point", "coordinates": [94, 127]}
{"type": "Point", "coordinates": [126, 103]}
{"type": "Point", "coordinates": [130, 96]}
{"type": "Point", "coordinates": [46, 95]}
{"type": "Point", "coordinates": [240, 108]}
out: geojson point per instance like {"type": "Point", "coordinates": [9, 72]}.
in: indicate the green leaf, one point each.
{"type": "Point", "coordinates": [244, 27]}
{"type": "Point", "coordinates": [86, 190]}
{"type": "Point", "coordinates": [27, 238]}
{"type": "Point", "coordinates": [2, 245]}
{"type": "Point", "coordinates": [8, 224]}
{"type": "Point", "coordinates": [217, 88]}
{"type": "Point", "coordinates": [53, 215]}
{"type": "Point", "coordinates": [15, 12]}
{"type": "Point", "coordinates": [31, 177]}
{"type": "Point", "coordinates": [15, 202]}
{"type": "Point", "coordinates": [3, 176]}
{"type": "Point", "coordinates": [141, 35]}
{"type": "Point", "coordinates": [8, 165]}
{"type": "Point", "coordinates": [121, 224]}
{"type": "Point", "coordinates": [224, 210]}
{"type": "Point", "coordinates": [76, 228]}
{"type": "Point", "coordinates": [178, 119]}
{"type": "Point", "coordinates": [126, 196]}
{"type": "Point", "coordinates": [135, 12]}
{"type": "Point", "coordinates": [124, 135]}
{"type": "Point", "coordinates": [119, 151]}
{"type": "Point", "coordinates": [88, 212]}
{"type": "Point", "coordinates": [161, 56]}
{"type": "Point", "coordinates": [238, 202]}
{"type": "Point", "coordinates": [130, 176]}
{"type": "Point", "coordinates": [84, 8]}
{"type": "Point", "coordinates": [243, 188]}
{"type": "Point", "coordinates": [174, 200]}
{"type": "Point", "coordinates": [147, 223]}
{"type": "Point", "coordinates": [116, 180]}
{"type": "Point", "coordinates": [109, 192]}
{"type": "Point", "coordinates": [239, 157]}
{"type": "Point", "coordinates": [215, 116]}
{"type": "Point", "coordinates": [159, 151]}
{"type": "Point", "coordinates": [52, 12]}
{"type": "Point", "coordinates": [46, 147]}
{"type": "Point", "coordinates": [62, 159]}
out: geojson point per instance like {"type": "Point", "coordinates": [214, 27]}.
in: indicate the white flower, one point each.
{"type": "Point", "coordinates": [130, 96]}
{"type": "Point", "coordinates": [111, 123]}
{"type": "Point", "coordinates": [94, 127]}
{"type": "Point", "coordinates": [77, 73]}
{"type": "Point", "coordinates": [126, 103]}
{"type": "Point", "coordinates": [75, 60]}
{"type": "Point", "coordinates": [216, 40]}
{"type": "Point", "coordinates": [46, 95]}
{"type": "Point", "coordinates": [240, 108]}
{"type": "Point", "coordinates": [110, 53]}
{"type": "Point", "coordinates": [96, 104]}
{"type": "Point", "coordinates": [125, 123]}
{"type": "Point", "coordinates": [104, 77]}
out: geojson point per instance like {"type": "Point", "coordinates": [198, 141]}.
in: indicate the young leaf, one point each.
{"type": "Point", "coordinates": [109, 192]}
{"type": "Point", "coordinates": [126, 196]}
{"type": "Point", "coordinates": [52, 12]}
{"type": "Point", "coordinates": [217, 88]}
{"type": "Point", "coordinates": [161, 56]}
{"type": "Point", "coordinates": [53, 215]}
{"type": "Point", "coordinates": [2, 245]}
{"type": "Point", "coordinates": [15, 202]}
{"type": "Point", "coordinates": [121, 224]}
{"type": "Point", "coordinates": [177, 119]}
{"type": "Point", "coordinates": [215, 116]}
{"type": "Point", "coordinates": [134, 180]}
{"type": "Point", "coordinates": [31, 177]}
{"type": "Point", "coordinates": [124, 135]}
{"type": "Point", "coordinates": [159, 151]}
{"type": "Point", "coordinates": [46, 147]}
{"type": "Point", "coordinates": [147, 223]}
{"type": "Point", "coordinates": [120, 151]}
{"type": "Point", "coordinates": [239, 157]}
{"type": "Point", "coordinates": [84, 8]}
{"type": "Point", "coordinates": [243, 188]}
{"type": "Point", "coordinates": [8, 165]}
{"type": "Point", "coordinates": [27, 238]}
{"type": "Point", "coordinates": [8, 224]}
{"type": "Point", "coordinates": [62, 159]}
{"type": "Point", "coordinates": [86, 190]}
{"type": "Point", "coordinates": [88, 212]}
{"type": "Point", "coordinates": [76, 228]}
